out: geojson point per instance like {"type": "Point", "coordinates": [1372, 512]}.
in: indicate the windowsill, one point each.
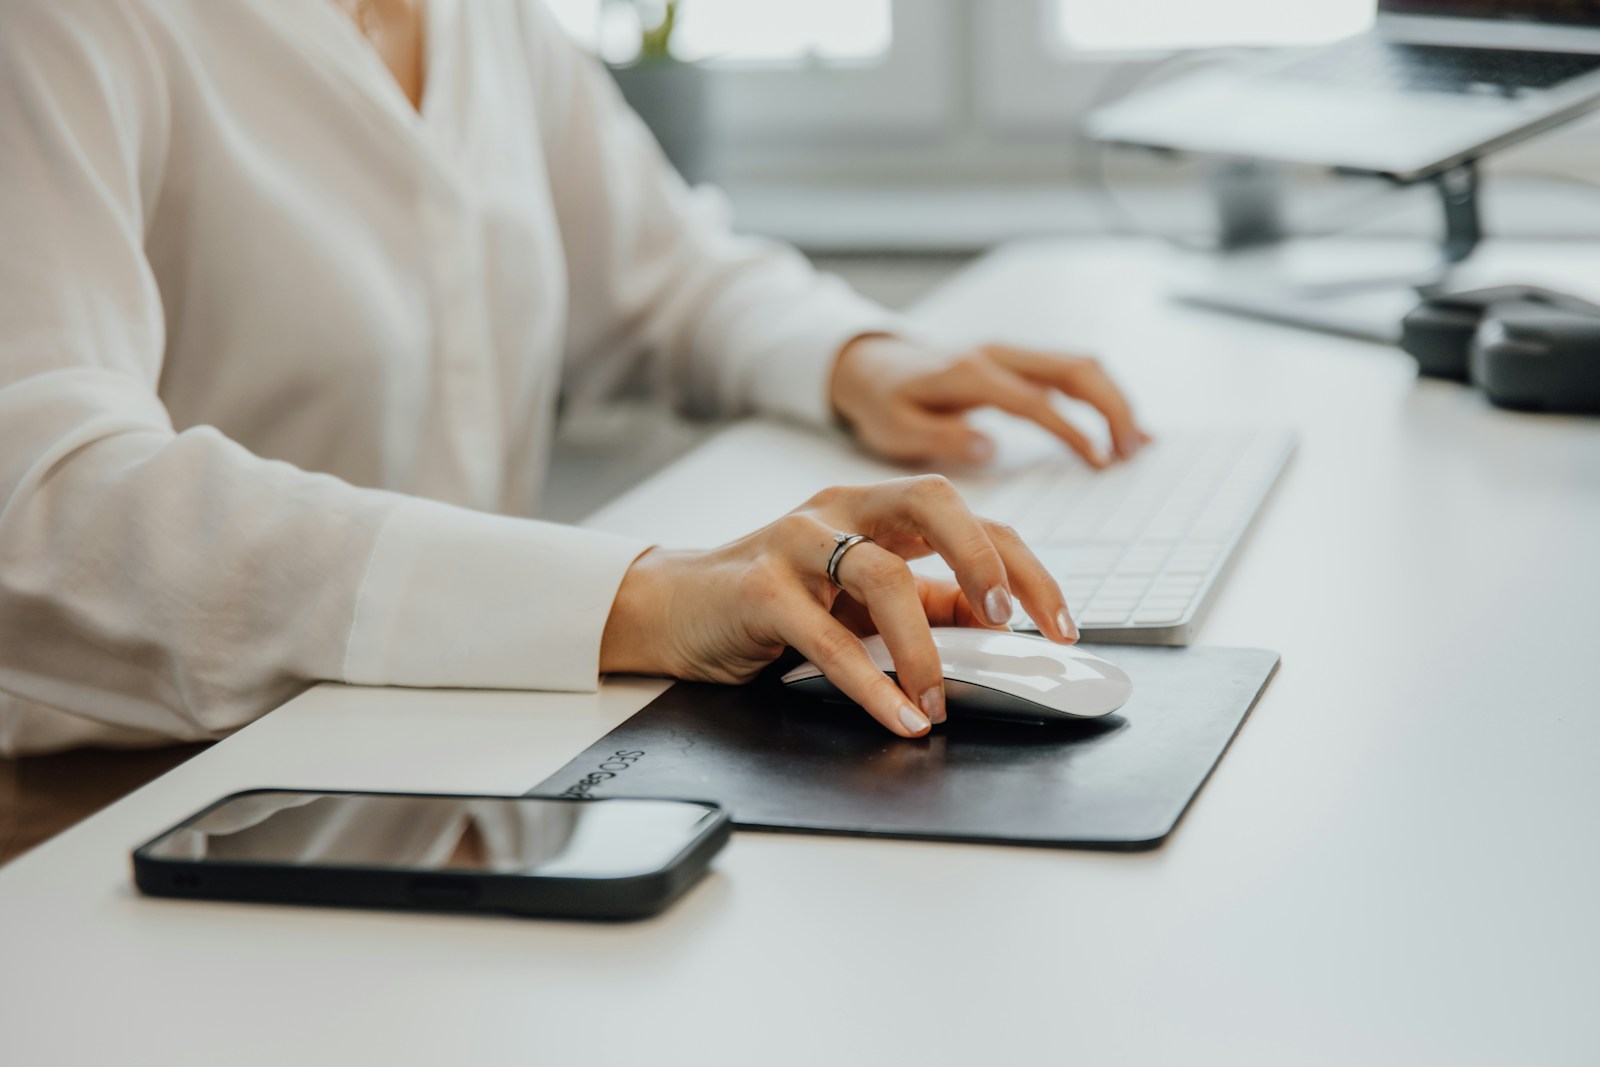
{"type": "Point", "coordinates": [904, 219]}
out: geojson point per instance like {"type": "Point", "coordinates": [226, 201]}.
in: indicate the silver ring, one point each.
{"type": "Point", "coordinates": [843, 543]}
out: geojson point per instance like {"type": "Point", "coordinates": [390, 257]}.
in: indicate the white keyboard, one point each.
{"type": "Point", "coordinates": [1139, 547]}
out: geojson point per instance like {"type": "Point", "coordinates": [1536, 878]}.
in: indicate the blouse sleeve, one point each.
{"type": "Point", "coordinates": [175, 585]}
{"type": "Point", "coordinates": [733, 324]}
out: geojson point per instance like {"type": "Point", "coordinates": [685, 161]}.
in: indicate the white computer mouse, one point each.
{"type": "Point", "coordinates": [997, 675]}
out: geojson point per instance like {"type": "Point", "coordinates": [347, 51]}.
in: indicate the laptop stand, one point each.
{"type": "Point", "coordinates": [1256, 273]}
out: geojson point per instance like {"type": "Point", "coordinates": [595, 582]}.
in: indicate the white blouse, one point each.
{"type": "Point", "coordinates": [280, 358]}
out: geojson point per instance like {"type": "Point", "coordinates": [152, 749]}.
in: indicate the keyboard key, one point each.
{"type": "Point", "coordinates": [1070, 563]}
{"type": "Point", "coordinates": [1095, 560]}
{"type": "Point", "coordinates": [1144, 564]}
{"type": "Point", "coordinates": [1103, 618]}
{"type": "Point", "coordinates": [1175, 588]}
{"type": "Point", "coordinates": [1193, 559]}
{"type": "Point", "coordinates": [1148, 615]}
{"type": "Point", "coordinates": [1124, 587]}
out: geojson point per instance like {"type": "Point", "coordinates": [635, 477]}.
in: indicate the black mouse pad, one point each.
{"type": "Point", "coordinates": [785, 762]}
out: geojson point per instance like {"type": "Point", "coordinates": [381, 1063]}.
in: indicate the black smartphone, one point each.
{"type": "Point", "coordinates": [612, 858]}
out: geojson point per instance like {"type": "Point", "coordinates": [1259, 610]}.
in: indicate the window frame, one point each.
{"type": "Point", "coordinates": [1027, 89]}
{"type": "Point", "coordinates": [967, 95]}
{"type": "Point", "coordinates": [904, 95]}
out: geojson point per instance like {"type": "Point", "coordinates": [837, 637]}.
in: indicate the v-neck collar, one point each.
{"type": "Point", "coordinates": [326, 30]}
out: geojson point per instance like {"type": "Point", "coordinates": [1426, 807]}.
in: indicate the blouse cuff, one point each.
{"type": "Point", "coordinates": [460, 598]}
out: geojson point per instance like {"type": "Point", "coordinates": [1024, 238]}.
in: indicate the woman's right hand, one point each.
{"type": "Point", "coordinates": [723, 615]}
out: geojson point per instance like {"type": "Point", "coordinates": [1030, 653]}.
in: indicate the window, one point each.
{"type": "Point", "coordinates": [773, 32]}
{"type": "Point", "coordinates": [872, 120]}
{"type": "Point", "coordinates": [817, 70]}
{"type": "Point", "coordinates": [832, 31]}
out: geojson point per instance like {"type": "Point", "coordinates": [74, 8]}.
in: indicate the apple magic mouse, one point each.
{"type": "Point", "coordinates": [993, 674]}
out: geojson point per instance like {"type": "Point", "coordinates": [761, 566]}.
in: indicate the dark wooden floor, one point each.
{"type": "Point", "coordinates": [40, 796]}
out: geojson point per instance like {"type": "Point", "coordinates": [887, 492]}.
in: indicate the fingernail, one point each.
{"type": "Point", "coordinates": [980, 450]}
{"type": "Point", "coordinates": [912, 719]}
{"type": "Point", "coordinates": [1065, 624]}
{"type": "Point", "coordinates": [997, 606]}
{"type": "Point", "coordinates": [933, 703]}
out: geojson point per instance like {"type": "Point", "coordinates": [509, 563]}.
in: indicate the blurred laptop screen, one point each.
{"type": "Point", "coordinates": [1570, 12]}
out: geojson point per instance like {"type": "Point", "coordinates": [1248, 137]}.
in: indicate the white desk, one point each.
{"type": "Point", "coordinates": [1395, 863]}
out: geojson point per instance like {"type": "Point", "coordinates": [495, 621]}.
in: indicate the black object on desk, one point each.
{"type": "Point", "coordinates": [781, 761]}
{"type": "Point", "coordinates": [1528, 348]}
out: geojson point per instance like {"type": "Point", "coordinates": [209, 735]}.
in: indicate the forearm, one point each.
{"type": "Point", "coordinates": [178, 585]}
{"type": "Point", "coordinates": [735, 324]}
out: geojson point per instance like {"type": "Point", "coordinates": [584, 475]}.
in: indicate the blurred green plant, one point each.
{"type": "Point", "coordinates": [655, 40]}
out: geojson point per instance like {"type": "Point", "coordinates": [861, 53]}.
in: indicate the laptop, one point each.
{"type": "Point", "coordinates": [1434, 84]}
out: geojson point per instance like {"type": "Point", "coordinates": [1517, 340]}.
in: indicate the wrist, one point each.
{"type": "Point", "coordinates": [636, 639]}
{"type": "Point", "coordinates": [851, 378]}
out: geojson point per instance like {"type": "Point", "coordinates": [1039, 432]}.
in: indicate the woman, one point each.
{"type": "Point", "coordinates": [285, 316]}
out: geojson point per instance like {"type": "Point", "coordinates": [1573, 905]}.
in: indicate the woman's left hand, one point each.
{"type": "Point", "coordinates": [909, 407]}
